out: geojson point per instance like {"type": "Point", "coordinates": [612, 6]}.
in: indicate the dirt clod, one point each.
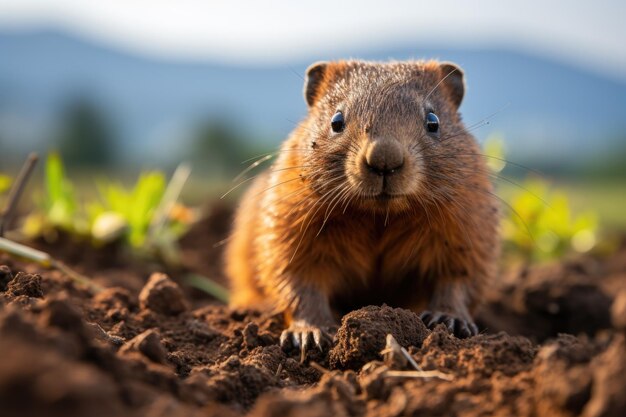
{"type": "Point", "coordinates": [563, 375]}
{"type": "Point", "coordinates": [363, 333]}
{"type": "Point", "coordinates": [542, 301]}
{"type": "Point", "coordinates": [28, 285]}
{"type": "Point", "coordinates": [162, 295]}
{"type": "Point", "coordinates": [58, 312]}
{"type": "Point", "coordinates": [149, 344]}
{"type": "Point", "coordinates": [609, 383]}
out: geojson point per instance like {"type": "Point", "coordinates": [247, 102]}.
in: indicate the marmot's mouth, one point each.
{"type": "Point", "coordinates": [383, 196]}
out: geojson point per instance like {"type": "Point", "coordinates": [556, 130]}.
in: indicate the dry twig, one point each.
{"type": "Point", "coordinates": [45, 260]}
{"type": "Point", "coordinates": [419, 374]}
{"type": "Point", "coordinates": [16, 192]}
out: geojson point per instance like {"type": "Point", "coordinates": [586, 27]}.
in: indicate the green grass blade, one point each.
{"type": "Point", "coordinates": [25, 252]}
{"type": "Point", "coordinates": [209, 286]}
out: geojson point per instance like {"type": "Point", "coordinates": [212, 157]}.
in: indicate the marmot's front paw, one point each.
{"type": "Point", "coordinates": [304, 336]}
{"type": "Point", "coordinates": [461, 328]}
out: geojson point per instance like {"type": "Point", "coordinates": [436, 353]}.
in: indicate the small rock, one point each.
{"type": "Point", "coordinates": [149, 344]}
{"type": "Point", "coordinates": [116, 301]}
{"type": "Point", "coordinates": [25, 284]}
{"type": "Point", "coordinates": [162, 295]}
{"type": "Point", "coordinates": [567, 348]}
{"type": "Point", "coordinates": [114, 297]}
{"type": "Point", "coordinates": [99, 333]}
{"type": "Point", "coordinates": [251, 336]}
{"type": "Point", "coordinates": [233, 362]}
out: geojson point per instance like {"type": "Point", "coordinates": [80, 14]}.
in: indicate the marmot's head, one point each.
{"type": "Point", "coordinates": [382, 135]}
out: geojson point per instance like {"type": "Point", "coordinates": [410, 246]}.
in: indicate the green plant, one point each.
{"type": "Point", "coordinates": [494, 150]}
{"type": "Point", "coordinates": [539, 223]}
{"type": "Point", "coordinates": [5, 183]}
{"type": "Point", "coordinates": [144, 216]}
{"type": "Point", "coordinates": [134, 207]}
{"type": "Point", "coordinates": [58, 207]}
{"type": "Point", "coordinates": [208, 286]}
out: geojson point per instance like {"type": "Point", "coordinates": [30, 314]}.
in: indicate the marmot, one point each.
{"type": "Point", "coordinates": [380, 195]}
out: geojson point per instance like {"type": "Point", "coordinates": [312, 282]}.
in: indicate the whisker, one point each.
{"type": "Point", "coordinates": [275, 152]}
{"type": "Point", "coordinates": [331, 206]}
{"type": "Point", "coordinates": [386, 218]}
{"type": "Point", "coordinates": [277, 185]}
{"type": "Point", "coordinates": [302, 203]}
{"type": "Point", "coordinates": [256, 176]}
{"type": "Point", "coordinates": [466, 130]}
{"type": "Point", "coordinates": [328, 195]}
{"type": "Point", "coordinates": [263, 155]}
{"type": "Point", "coordinates": [503, 178]}
{"type": "Point", "coordinates": [251, 167]}
{"type": "Point", "coordinates": [354, 195]}
{"type": "Point", "coordinates": [296, 73]}
{"type": "Point", "coordinates": [438, 84]}
{"type": "Point", "coordinates": [479, 189]}
{"type": "Point", "coordinates": [285, 196]}
{"type": "Point", "coordinates": [311, 217]}
{"type": "Point", "coordinates": [457, 154]}
{"type": "Point", "coordinates": [465, 169]}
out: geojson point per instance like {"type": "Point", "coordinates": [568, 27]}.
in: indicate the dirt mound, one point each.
{"type": "Point", "coordinates": [161, 295]}
{"type": "Point", "coordinates": [542, 301]}
{"type": "Point", "coordinates": [145, 350]}
{"type": "Point", "coordinates": [361, 337]}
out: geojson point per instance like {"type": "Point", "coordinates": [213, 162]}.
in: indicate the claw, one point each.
{"type": "Point", "coordinates": [464, 330]}
{"type": "Point", "coordinates": [302, 354]}
{"type": "Point", "coordinates": [459, 327]}
{"type": "Point", "coordinates": [434, 319]}
{"type": "Point", "coordinates": [283, 339]}
{"type": "Point", "coordinates": [303, 338]}
{"type": "Point", "coordinates": [317, 338]}
{"type": "Point", "coordinates": [305, 345]}
{"type": "Point", "coordinates": [295, 339]}
{"type": "Point", "coordinates": [450, 322]}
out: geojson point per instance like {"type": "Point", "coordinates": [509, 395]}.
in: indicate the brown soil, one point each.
{"type": "Point", "coordinates": [149, 346]}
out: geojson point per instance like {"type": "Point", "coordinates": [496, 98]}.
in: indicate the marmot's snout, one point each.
{"type": "Point", "coordinates": [384, 156]}
{"type": "Point", "coordinates": [385, 169]}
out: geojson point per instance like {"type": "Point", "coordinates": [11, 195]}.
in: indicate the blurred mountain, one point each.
{"type": "Point", "coordinates": [555, 111]}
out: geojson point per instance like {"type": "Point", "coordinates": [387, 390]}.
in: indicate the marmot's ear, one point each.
{"type": "Point", "coordinates": [314, 77]}
{"type": "Point", "coordinates": [453, 82]}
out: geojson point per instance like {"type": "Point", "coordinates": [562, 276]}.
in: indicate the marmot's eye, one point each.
{"type": "Point", "coordinates": [337, 123]}
{"type": "Point", "coordinates": [432, 122]}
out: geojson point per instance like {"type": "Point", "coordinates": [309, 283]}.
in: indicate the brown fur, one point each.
{"type": "Point", "coordinates": [311, 237]}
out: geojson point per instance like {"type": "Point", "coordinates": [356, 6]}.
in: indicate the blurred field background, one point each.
{"type": "Point", "coordinates": [119, 88]}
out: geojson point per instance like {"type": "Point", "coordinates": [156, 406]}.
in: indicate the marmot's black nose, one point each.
{"type": "Point", "coordinates": [384, 157]}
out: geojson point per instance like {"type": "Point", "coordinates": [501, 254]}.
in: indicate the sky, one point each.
{"type": "Point", "coordinates": [589, 34]}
